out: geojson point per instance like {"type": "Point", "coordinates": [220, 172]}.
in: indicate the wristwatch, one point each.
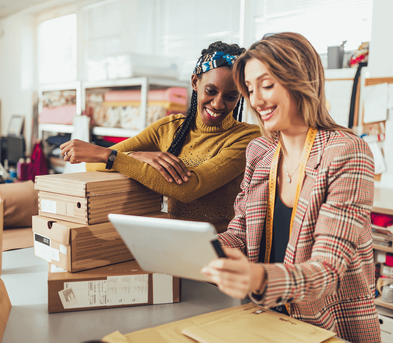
{"type": "Point", "coordinates": [111, 159]}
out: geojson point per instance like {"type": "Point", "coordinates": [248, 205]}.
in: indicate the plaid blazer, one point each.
{"type": "Point", "coordinates": [328, 270]}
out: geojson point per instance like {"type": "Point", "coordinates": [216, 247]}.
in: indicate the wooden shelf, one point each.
{"type": "Point", "coordinates": [380, 302]}
{"type": "Point", "coordinates": [382, 248]}
{"type": "Point", "coordinates": [114, 131]}
{"type": "Point", "coordinates": [383, 203]}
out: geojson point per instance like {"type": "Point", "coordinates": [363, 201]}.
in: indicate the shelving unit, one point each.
{"type": "Point", "coordinates": [46, 127]}
{"type": "Point", "coordinates": [144, 83]}
{"type": "Point", "coordinates": [383, 203]}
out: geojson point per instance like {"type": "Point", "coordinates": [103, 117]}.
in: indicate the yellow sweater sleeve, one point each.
{"type": "Point", "coordinates": [210, 175]}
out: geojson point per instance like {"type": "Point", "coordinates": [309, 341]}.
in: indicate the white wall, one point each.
{"type": "Point", "coordinates": [18, 41]}
{"type": "Point", "coordinates": [381, 46]}
{"type": "Point", "coordinates": [17, 70]}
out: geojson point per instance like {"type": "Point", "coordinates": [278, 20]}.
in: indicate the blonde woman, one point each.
{"type": "Point", "coordinates": [302, 218]}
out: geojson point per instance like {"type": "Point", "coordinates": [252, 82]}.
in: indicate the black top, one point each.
{"type": "Point", "coordinates": [281, 223]}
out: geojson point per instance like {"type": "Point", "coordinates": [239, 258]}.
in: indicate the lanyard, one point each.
{"type": "Point", "coordinates": [272, 188]}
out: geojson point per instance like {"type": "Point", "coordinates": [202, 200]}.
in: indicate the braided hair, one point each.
{"type": "Point", "coordinates": [183, 130]}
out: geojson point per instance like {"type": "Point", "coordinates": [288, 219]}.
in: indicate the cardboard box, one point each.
{"type": "Point", "coordinates": [5, 308]}
{"type": "Point", "coordinates": [1, 236]}
{"type": "Point", "coordinates": [88, 197]}
{"type": "Point", "coordinates": [75, 247]}
{"type": "Point", "coordinates": [386, 324]}
{"type": "Point", "coordinates": [118, 285]}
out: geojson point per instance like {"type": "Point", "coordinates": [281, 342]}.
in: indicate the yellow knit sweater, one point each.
{"type": "Point", "coordinates": [215, 156]}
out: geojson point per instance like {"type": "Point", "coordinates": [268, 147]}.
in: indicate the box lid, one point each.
{"type": "Point", "coordinates": [118, 269]}
{"type": "Point", "coordinates": [87, 184]}
{"type": "Point", "coordinates": [54, 229]}
{"type": "Point", "coordinates": [60, 230]}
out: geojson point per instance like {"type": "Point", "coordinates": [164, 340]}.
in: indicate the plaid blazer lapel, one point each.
{"type": "Point", "coordinates": [257, 204]}
{"type": "Point", "coordinates": [311, 172]}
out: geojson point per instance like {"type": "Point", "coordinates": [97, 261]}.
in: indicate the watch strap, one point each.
{"type": "Point", "coordinates": [111, 159]}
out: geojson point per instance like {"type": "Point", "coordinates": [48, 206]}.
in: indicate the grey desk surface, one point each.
{"type": "Point", "coordinates": [26, 275]}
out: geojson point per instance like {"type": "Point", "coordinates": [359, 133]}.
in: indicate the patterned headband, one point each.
{"type": "Point", "coordinates": [212, 61]}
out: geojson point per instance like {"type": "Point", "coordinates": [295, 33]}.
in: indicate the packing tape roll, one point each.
{"type": "Point", "coordinates": [387, 293]}
{"type": "Point", "coordinates": [381, 282]}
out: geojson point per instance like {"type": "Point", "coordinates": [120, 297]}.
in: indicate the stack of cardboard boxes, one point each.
{"type": "Point", "coordinates": [89, 264]}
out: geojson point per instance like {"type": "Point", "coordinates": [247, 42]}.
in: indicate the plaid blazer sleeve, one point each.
{"type": "Point", "coordinates": [335, 224]}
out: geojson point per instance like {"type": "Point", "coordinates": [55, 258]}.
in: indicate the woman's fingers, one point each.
{"type": "Point", "coordinates": [233, 284]}
{"type": "Point", "coordinates": [76, 151]}
{"type": "Point", "coordinates": [232, 275]}
{"type": "Point", "coordinates": [163, 171]}
{"type": "Point", "coordinates": [174, 166]}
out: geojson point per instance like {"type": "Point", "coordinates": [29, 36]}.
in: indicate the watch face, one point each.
{"type": "Point", "coordinates": [112, 157]}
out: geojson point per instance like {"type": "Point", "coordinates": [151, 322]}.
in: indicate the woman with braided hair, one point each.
{"type": "Point", "coordinates": [197, 160]}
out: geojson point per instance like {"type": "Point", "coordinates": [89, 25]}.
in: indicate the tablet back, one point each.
{"type": "Point", "coordinates": [175, 247]}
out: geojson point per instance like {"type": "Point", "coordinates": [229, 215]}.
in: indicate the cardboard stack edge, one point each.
{"type": "Point", "coordinates": [84, 250]}
{"type": "Point", "coordinates": [116, 285]}
{"type": "Point", "coordinates": [88, 197]}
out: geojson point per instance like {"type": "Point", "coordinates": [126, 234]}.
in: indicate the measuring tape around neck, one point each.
{"type": "Point", "coordinates": [311, 134]}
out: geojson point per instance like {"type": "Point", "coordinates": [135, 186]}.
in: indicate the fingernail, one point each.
{"type": "Point", "coordinates": [185, 178]}
{"type": "Point", "coordinates": [179, 181]}
{"type": "Point", "coordinates": [189, 173]}
{"type": "Point", "coordinates": [170, 180]}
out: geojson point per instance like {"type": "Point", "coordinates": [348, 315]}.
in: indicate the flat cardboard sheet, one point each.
{"type": "Point", "coordinates": [245, 323]}
{"type": "Point", "coordinates": [5, 308]}
{"type": "Point", "coordinates": [19, 238]}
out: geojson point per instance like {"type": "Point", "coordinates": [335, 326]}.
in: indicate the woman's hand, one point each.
{"type": "Point", "coordinates": [235, 275]}
{"type": "Point", "coordinates": [77, 151]}
{"type": "Point", "coordinates": [170, 166]}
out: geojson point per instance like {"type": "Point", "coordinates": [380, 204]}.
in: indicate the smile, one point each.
{"type": "Point", "coordinates": [268, 113]}
{"type": "Point", "coordinates": [212, 114]}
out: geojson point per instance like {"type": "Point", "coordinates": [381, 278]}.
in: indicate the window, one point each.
{"type": "Point", "coordinates": [186, 27]}
{"type": "Point", "coordinates": [323, 22]}
{"type": "Point", "coordinates": [57, 49]}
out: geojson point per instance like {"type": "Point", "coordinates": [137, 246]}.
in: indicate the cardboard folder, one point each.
{"type": "Point", "coordinates": [245, 323]}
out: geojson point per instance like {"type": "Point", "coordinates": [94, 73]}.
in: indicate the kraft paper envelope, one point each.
{"type": "Point", "coordinates": [253, 324]}
{"type": "Point", "coordinates": [172, 332]}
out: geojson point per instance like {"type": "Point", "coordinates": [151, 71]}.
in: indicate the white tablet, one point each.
{"type": "Point", "coordinates": [175, 247]}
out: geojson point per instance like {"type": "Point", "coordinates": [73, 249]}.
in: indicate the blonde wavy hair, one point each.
{"type": "Point", "coordinates": [292, 61]}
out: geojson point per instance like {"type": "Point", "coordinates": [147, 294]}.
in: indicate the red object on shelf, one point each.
{"type": "Point", "coordinates": [389, 260]}
{"type": "Point", "coordinates": [114, 139]}
{"type": "Point", "coordinates": [381, 219]}
{"type": "Point", "coordinates": [38, 165]}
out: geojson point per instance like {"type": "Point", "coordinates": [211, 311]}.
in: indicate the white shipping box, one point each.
{"type": "Point", "coordinates": [386, 328]}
